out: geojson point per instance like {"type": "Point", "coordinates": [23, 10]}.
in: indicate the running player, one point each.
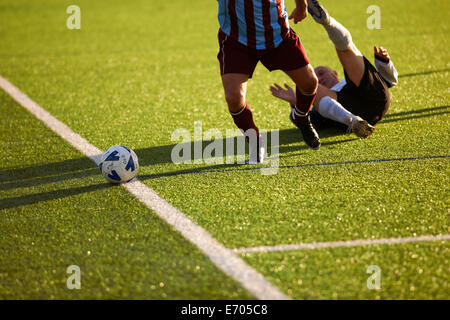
{"type": "Point", "coordinates": [358, 102]}
{"type": "Point", "coordinates": [258, 30]}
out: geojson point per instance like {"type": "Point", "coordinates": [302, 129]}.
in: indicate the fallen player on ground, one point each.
{"type": "Point", "coordinates": [358, 102]}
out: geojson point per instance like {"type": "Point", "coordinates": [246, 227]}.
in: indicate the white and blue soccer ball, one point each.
{"type": "Point", "coordinates": [119, 164]}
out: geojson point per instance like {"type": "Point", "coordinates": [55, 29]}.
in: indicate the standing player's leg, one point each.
{"type": "Point", "coordinates": [306, 91]}
{"type": "Point", "coordinates": [235, 87]}
{"type": "Point", "coordinates": [351, 58]}
{"type": "Point", "coordinates": [236, 67]}
{"type": "Point", "coordinates": [290, 57]}
{"type": "Point", "coordinates": [306, 83]}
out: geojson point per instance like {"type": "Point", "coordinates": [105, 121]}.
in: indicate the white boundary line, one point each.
{"type": "Point", "coordinates": [340, 244]}
{"type": "Point", "coordinates": [225, 259]}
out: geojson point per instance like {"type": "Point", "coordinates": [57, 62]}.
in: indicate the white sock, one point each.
{"type": "Point", "coordinates": [338, 34]}
{"type": "Point", "coordinates": [331, 109]}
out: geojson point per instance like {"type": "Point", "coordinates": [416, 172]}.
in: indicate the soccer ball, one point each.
{"type": "Point", "coordinates": [119, 164]}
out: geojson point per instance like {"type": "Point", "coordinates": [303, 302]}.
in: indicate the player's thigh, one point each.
{"type": "Point", "coordinates": [305, 78]}
{"type": "Point", "coordinates": [235, 87]}
{"type": "Point", "coordinates": [353, 62]}
{"type": "Point", "coordinates": [322, 92]}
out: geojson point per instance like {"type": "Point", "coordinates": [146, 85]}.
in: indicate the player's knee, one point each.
{"type": "Point", "coordinates": [311, 84]}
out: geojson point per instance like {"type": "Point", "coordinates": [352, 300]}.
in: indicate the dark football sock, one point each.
{"type": "Point", "coordinates": [244, 119]}
{"type": "Point", "coordinates": [304, 104]}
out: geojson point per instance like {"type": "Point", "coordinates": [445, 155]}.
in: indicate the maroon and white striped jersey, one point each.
{"type": "Point", "coordinates": [257, 24]}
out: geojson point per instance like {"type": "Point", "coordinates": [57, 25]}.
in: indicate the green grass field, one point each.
{"type": "Point", "coordinates": [138, 70]}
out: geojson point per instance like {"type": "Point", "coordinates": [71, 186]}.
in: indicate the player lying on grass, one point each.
{"type": "Point", "coordinates": [358, 102]}
{"type": "Point", "coordinates": [258, 30]}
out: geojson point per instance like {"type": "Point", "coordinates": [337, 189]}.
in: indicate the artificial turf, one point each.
{"type": "Point", "coordinates": [134, 73]}
{"type": "Point", "coordinates": [408, 271]}
{"type": "Point", "coordinates": [57, 211]}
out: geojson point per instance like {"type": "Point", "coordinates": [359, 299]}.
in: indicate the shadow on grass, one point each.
{"type": "Point", "coordinates": [82, 167]}
{"type": "Point", "coordinates": [423, 73]}
{"type": "Point", "coordinates": [289, 141]}
{"type": "Point", "coordinates": [55, 172]}
{"type": "Point", "coordinates": [416, 114]}
{"type": "Point", "coordinates": [240, 167]}
{"type": "Point", "coordinates": [9, 203]}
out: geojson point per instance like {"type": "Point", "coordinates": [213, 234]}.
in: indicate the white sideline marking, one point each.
{"type": "Point", "coordinates": [225, 259]}
{"type": "Point", "coordinates": [337, 244]}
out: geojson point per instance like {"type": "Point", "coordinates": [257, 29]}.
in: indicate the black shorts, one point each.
{"type": "Point", "coordinates": [370, 101]}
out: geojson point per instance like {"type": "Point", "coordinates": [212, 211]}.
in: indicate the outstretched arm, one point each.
{"type": "Point", "coordinates": [385, 66]}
